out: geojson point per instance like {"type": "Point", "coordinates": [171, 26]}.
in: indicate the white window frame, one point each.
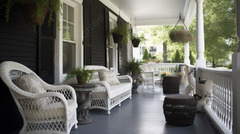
{"type": "Point", "coordinates": [78, 38]}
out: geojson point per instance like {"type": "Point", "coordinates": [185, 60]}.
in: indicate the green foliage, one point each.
{"type": "Point", "coordinates": [176, 57]}
{"type": "Point", "coordinates": [136, 37]}
{"type": "Point", "coordinates": [149, 56]}
{"type": "Point", "coordinates": [53, 6]}
{"type": "Point", "coordinates": [229, 66]}
{"type": "Point", "coordinates": [191, 58]}
{"type": "Point", "coordinates": [145, 55]}
{"type": "Point", "coordinates": [182, 58]}
{"type": "Point", "coordinates": [133, 67]}
{"type": "Point", "coordinates": [220, 30]}
{"type": "Point", "coordinates": [85, 74]}
{"type": "Point", "coordinates": [122, 29]}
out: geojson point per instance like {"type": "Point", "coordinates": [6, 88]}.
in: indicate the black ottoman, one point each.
{"type": "Point", "coordinates": [171, 84]}
{"type": "Point", "coordinates": [180, 109]}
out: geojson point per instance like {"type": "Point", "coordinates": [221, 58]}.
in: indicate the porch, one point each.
{"type": "Point", "coordinates": [143, 115]}
{"type": "Point", "coordinates": [43, 53]}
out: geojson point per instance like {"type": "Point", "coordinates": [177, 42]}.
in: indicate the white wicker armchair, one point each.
{"type": "Point", "coordinates": [149, 75]}
{"type": "Point", "coordinates": [53, 110]}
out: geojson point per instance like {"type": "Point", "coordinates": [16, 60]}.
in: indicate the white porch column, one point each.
{"type": "Point", "coordinates": [200, 62]}
{"type": "Point", "coordinates": [236, 78]}
{"type": "Point", "coordinates": [186, 53]}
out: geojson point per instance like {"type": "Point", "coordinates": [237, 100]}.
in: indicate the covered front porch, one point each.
{"type": "Point", "coordinates": [44, 54]}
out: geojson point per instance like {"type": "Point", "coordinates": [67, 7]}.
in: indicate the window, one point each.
{"type": "Point", "coordinates": [68, 22]}
{"type": "Point", "coordinates": [153, 49]}
{"type": "Point", "coordinates": [69, 44]}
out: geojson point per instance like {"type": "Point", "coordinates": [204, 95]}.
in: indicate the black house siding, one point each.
{"type": "Point", "coordinates": [96, 27]}
{"type": "Point", "coordinates": [22, 43]}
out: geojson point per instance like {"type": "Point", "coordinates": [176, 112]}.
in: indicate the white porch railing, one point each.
{"type": "Point", "coordinates": [221, 110]}
{"type": "Point", "coordinates": [169, 67]}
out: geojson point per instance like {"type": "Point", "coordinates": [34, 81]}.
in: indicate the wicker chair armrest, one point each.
{"type": "Point", "coordinates": [58, 96]}
{"type": "Point", "coordinates": [125, 79]}
{"type": "Point", "coordinates": [66, 90]}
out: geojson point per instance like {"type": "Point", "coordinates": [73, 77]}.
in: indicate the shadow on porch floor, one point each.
{"type": "Point", "coordinates": [142, 115]}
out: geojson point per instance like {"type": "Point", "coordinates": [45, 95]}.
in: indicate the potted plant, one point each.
{"type": "Point", "coordinates": [120, 33]}
{"type": "Point", "coordinates": [133, 67]}
{"type": "Point", "coordinates": [83, 75]}
{"type": "Point", "coordinates": [136, 40]}
{"type": "Point", "coordinates": [34, 11]}
{"type": "Point", "coordinates": [181, 36]}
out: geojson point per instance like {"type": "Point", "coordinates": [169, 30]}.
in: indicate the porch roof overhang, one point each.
{"type": "Point", "coordinates": [154, 12]}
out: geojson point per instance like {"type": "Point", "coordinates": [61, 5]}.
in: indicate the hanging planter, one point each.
{"type": "Point", "coordinates": [30, 14]}
{"type": "Point", "coordinates": [120, 33]}
{"type": "Point", "coordinates": [135, 42]}
{"type": "Point", "coordinates": [180, 36]}
{"type": "Point", "coordinates": [34, 11]}
{"type": "Point", "coordinates": [117, 38]}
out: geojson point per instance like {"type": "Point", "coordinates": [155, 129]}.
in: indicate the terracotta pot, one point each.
{"type": "Point", "coordinates": [80, 80]}
{"type": "Point", "coordinates": [117, 38]}
{"type": "Point", "coordinates": [29, 12]}
{"type": "Point", "coordinates": [135, 42]}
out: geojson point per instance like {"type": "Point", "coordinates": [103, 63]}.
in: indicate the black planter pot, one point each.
{"type": "Point", "coordinates": [117, 38]}
{"type": "Point", "coordinates": [135, 42]}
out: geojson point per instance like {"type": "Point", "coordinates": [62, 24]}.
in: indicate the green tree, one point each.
{"type": "Point", "coordinates": [176, 57]}
{"type": "Point", "coordinates": [220, 30]}
{"type": "Point", "coordinates": [145, 55]}
{"type": "Point", "coordinates": [149, 56]}
{"type": "Point", "coordinates": [191, 58]}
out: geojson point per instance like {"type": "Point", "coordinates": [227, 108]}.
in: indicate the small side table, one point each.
{"type": "Point", "coordinates": [135, 83]}
{"type": "Point", "coordinates": [180, 109]}
{"type": "Point", "coordinates": [171, 84]}
{"type": "Point", "coordinates": [84, 99]}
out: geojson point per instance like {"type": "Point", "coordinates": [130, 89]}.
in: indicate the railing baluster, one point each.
{"type": "Point", "coordinates": [222, 102]}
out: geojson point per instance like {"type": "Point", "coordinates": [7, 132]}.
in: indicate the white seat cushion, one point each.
{"type": "Point", "coordinates": [50, 111]}
{"type": "Point", "coordinates": [118, 89]}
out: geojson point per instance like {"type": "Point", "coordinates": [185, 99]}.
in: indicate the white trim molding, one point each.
{"type": "Point", "coordinates": [116, 10]}
{"type": "Point", "coordinates": [78, 37]}
{"type": "Point", "coordinates": [172, 21]}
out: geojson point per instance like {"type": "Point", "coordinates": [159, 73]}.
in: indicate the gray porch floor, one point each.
{"type": "Point", "coordinates": [142, 115]}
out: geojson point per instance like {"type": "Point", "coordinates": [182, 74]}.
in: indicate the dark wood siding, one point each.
{"type": "Point", "coordinates": [22, 43]}
{"type": "Point", "coordinates": [46, 37]}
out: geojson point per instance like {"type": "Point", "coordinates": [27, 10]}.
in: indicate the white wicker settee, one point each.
{"type": "Point", "coordinates": [44, 108]}
{"type": "Point", "coordinates": [106, 96]}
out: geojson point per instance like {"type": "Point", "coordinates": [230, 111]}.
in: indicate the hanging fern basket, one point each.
{"type": "Point", "coordinates": [135, 42]}
{"type": "Point", "coordinates": [117, 38]}
{"type": "Point", "coordinates": [181, 36]}
{"type": "Point", "coordinates": [29, 11]}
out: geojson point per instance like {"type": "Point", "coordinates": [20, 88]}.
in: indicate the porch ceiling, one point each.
{"type": "Point", "coordinates": [157, 12]}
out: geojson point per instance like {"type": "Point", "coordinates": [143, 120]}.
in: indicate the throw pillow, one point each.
{"type": "Point", "coordinates": [95, 77]}
{"type": "Point", "coordinates": [29, 83]}
{"type": "Point", "coordinates": [108, 76]}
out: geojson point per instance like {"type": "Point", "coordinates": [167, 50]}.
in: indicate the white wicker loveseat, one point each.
{"type": "Point", "coordinates": [106, 96]}
{"type": "Point", "coordinates": [44, 108]}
